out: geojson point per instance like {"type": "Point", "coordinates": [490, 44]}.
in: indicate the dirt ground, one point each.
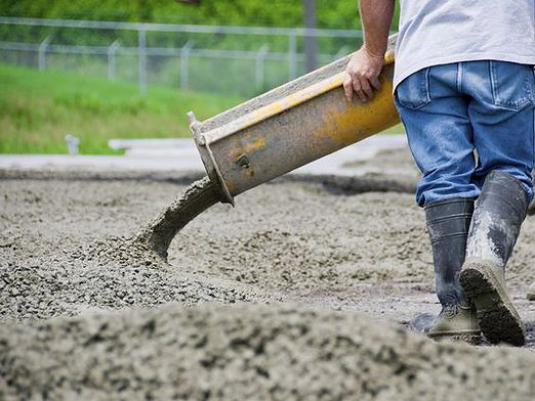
{"type": "Point", "coordinates": [296, 294]}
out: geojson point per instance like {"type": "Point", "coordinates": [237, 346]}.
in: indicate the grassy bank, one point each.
{"type": "Point", "coordinates": [37, 110]}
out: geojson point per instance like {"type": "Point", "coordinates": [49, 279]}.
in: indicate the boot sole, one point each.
{"type": "Point", "coordinates": [472, 339]}
{"type": "Point", "coordinates": [498, 318]}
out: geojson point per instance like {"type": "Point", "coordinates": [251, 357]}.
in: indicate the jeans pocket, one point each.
{"type": "Point", "coordinates": [413, 91]}
{"type": "Point", "coordinates": [513, 85]}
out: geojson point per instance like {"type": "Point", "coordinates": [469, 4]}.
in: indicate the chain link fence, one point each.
{"type": "Point", "coordinates": [228, 60]}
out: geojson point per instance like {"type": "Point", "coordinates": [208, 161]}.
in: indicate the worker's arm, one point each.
{"type": "Point", "coordinates": [365, 65]}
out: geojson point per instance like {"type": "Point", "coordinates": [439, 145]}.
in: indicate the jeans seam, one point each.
{"type": "Point", "coordinates": [427, 91]}
{"type": "Point", "coordinates": [409, 143]}
{"type": "Point", "coordinates": [492, 74]}
{"type": "Point", "coordinates": [459, 77]}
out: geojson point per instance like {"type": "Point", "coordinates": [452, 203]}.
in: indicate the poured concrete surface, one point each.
{"type": "Point", "coordinates": [300, 292]}
{"type": "Point", "coordinates": [253, 352]}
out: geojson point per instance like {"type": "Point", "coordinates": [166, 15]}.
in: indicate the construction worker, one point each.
{"type": "Point", "coordinates": [464, 86]}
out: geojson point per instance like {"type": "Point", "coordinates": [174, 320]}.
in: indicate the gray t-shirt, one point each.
{"type": "Point", "coordinates": [433, 32]}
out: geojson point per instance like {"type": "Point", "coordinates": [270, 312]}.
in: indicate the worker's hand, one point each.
{"type": "Point", "coordinates": [362, 74]}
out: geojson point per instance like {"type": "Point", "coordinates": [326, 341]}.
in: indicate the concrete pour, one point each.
{"type": "Point", "coordinates": [197, 198]}
{"type": "Point", "coordinates": [309, 270]}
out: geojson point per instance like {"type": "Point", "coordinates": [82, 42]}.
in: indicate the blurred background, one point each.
{"type": "Point", "coordinates": [85, 72]}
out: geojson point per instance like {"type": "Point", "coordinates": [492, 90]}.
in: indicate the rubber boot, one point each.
{"type": "Point", "coordinates": [448, 223]}
{"type": "Point", "coordinates": [531, 292]}
{"type": "Point", "coordinates": [499, 213]}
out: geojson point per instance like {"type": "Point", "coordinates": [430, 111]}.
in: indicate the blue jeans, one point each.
{"type": "Point", "coordinates": [466, 119]}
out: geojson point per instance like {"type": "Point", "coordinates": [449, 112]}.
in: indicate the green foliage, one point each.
{"type": "Point", "coordinates": [37, 110]}
{"type": "Point", "coordinates": [334, 14]}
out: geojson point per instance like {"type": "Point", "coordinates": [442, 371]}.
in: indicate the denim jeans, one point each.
{"type": "Point", "coordinates": [466, 119]}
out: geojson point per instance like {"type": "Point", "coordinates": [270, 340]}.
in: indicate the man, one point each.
{"type": "Point", "coordinates": [464, 87]}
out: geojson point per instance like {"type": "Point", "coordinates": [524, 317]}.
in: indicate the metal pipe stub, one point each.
{"type": "Point", "coordinates": [207, 157]}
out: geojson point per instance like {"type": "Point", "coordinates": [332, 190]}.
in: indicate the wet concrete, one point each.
{"type": "Point", "coordinates": [300, 292]}
{"type": "Point", "coordinates": [197, 198]}
{"type": "Point", "coordinates": [203, 194]}
{"type": "Point", "coordinates": [250, 353]}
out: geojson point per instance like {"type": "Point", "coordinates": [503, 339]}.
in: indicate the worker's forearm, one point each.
{"type": "Point", "coordinates": [376, 18]}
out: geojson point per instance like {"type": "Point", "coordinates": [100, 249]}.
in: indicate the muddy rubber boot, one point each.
{"type": "Point", "coordinates": [448, 223]}
{"type": "Point", "coordinates": [531, 292]}
{"type": "Point", "coordinates": [456, 323]}
{"type": "Point", "coordinates": [499, 213]}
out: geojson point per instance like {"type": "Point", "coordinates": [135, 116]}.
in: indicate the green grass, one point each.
{"type": "Point", "coordinates": [37, 110]}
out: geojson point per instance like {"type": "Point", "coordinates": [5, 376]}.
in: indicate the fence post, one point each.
{"type": "Point", "coordinates": [142, 60]}
{"type": "Point", "coordinates": [292, 54]}
{"type": "Point", "coordinates": [41, 57]}
{"type": "Point", "coordinates": [112, 51]}
{"type": "Point", "coordinates": [259, 66]}
{"type": "Point", "coordinates": [309, 38]}
{"type": "Point", "coordinates": [184, 64]}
